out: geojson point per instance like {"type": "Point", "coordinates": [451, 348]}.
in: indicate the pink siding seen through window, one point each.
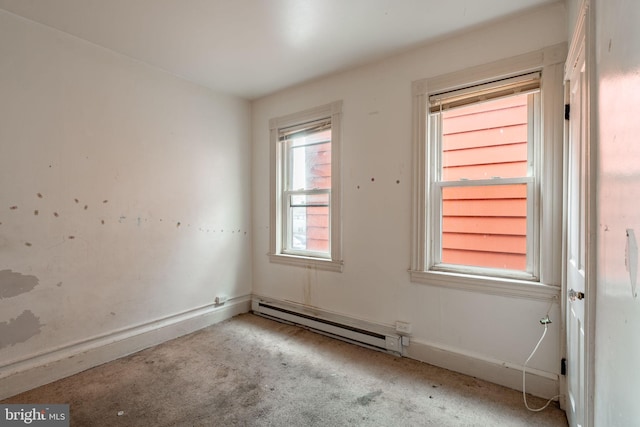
{"type": "Point", "coordinates": [311, 171]}
{"type": "Point", "coordinates": [485, 226]}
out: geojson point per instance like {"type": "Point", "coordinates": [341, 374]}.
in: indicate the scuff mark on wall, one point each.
{"type": "Point", "coordinates": [20, 329]}
{"type": "Point", "coordinates": [13, 284]}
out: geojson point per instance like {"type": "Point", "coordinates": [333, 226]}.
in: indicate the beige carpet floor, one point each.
{"type": "Point", "coordinates": [251, 371]}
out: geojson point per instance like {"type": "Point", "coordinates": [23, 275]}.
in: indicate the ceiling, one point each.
{"type": "Point", "coordinates": [251, 48]}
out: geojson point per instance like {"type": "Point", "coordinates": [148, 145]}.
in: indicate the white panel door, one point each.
{"type": "Point", "coordinates": [576, 243]}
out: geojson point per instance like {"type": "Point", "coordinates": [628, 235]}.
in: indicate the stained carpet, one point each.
{"type": "Point", "coordinates": [251, 371]}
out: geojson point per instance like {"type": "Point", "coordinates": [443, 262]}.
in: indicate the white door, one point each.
{"type": "Point", "coordinates": [578, 179]}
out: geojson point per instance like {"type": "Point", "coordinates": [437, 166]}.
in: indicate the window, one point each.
{"type": "Point", "coordinates": [305, 195]}
{"type": "Point", "coordinates": [485, 166]}
{"type": "Point", "coordinates": [483, 183]}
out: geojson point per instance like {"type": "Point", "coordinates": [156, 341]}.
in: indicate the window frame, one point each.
{"type": "Point", "coordinates": [547, 263]}
{"type": "Point", "coordinates": [280, 195]}
{"type": "Point", "coordinates": [434, 215]}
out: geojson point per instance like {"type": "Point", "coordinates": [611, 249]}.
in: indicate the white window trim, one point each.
{"type": "Point", "coordinates": [276, 255]}
{"type": "Point", "coordinates": [550, 61]}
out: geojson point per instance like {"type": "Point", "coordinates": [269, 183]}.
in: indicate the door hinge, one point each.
{"type": "Point", "coordinates": [563, 366]}
{"type": "Point", "coordinates": [567, 111]}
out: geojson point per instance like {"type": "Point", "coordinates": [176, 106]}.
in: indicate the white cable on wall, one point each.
{"type": "Point", "coordinates": [545, 321]}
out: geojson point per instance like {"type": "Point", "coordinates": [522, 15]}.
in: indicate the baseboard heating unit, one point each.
{"type": "Point", "coordinates": [361, 333]}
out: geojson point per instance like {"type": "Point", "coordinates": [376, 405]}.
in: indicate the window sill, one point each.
{"type": "Point", "coordinates": [487, 285]}
{"type": "Point", "coordinates": [307, 262]}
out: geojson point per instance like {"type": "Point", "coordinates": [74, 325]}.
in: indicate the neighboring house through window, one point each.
{"type": "Point", "coordinates": [484, 142]}
{"type": "Point", "coordinates": [488, 158]}
{"type": "Point", "coordinates": [305, 188]}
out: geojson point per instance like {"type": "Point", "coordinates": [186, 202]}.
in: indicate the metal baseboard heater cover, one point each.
{"type": "Point", "coordinates": [387, 342]}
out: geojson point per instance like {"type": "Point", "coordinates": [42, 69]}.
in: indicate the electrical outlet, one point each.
{"type": "Point", "coordinates": [403, 327]}
{"type": "Point", "coordinates": [545, 320]}
{"type": "Point", "coordinates": [220, 299]}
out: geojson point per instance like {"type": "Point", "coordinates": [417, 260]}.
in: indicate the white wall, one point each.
{"type": "Point", "coordinates": [374, 285]}
{"type": "Point", "coordinates": [160, 168]}
{"type": "Point", "coordinates": [618, 310]}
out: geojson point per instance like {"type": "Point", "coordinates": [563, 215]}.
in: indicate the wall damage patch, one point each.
{"type": "Point", "coordinates": [20, 329]}
{"type": "Point", "coordinates": [13, 284]}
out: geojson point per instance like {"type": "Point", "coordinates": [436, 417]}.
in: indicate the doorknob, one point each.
{"type": "Point", "coordinates": [573, 295]}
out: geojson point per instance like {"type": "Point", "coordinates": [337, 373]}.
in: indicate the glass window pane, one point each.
{"type": "Point", "coordinates": [309, 162]}
{"type": "Point", "coordinates": [486, 140]}
{"type": "Point", "coordinates": [485, 226]}
{"type": "Point", "coordinates": [310, 228]}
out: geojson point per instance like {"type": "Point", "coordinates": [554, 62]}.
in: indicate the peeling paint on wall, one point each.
{"type": "Point", "coordinates": [13, 284]}
{"type": "Point", "coordinates": [20, 329]}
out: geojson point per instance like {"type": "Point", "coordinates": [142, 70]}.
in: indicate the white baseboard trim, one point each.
{"type": "Point", "coordinates": [19, 376]}
{"type": "Point", "coordinates": [539, 383]}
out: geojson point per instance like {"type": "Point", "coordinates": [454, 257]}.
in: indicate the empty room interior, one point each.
{"type": "Point", "coordinates": [416, 212]}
